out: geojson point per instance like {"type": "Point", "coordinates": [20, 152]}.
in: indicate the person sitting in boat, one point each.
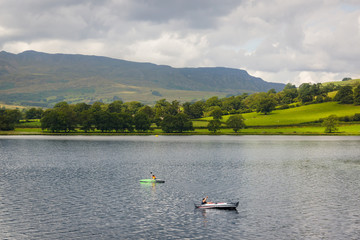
{"type": "Point", "coordinates": [204, 200]}
{"type": "Point", "coordinates": [153, 177]}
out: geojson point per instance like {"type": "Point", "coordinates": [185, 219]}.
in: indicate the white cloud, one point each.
{"type": "Point", "coordinates": [169, 48]}
{"type": "Point", "coordinates": [281, 41]}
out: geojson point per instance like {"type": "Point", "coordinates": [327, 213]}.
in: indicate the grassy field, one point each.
{"type": "Point", "coordinates": [299, 115]}
{"type": "Point", "coordinates": [7, 106]}
{"type": "Point", "coordinates": [352, 82]}
{"type": "Point", "coordinates": [33, 123]}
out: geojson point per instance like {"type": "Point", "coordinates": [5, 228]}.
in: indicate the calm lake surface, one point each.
{"type": "Point", "coordinates": [289, 187]}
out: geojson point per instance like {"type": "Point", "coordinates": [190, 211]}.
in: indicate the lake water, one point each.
{"type": "Point", "coordinates": [289, 187]}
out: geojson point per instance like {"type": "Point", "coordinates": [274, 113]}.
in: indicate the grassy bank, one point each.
{"type": "Point", "coordinates": [344, 129]}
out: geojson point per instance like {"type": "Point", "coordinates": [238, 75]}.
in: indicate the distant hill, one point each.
{"type": "Point", "coordinates": [34, 78]}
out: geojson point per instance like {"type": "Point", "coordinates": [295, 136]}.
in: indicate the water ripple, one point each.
{"type": "Point", "coordinates": [88, 188]}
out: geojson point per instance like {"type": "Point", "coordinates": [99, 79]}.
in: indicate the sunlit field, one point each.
{"type": "Point", "coordinates": [298, 115]}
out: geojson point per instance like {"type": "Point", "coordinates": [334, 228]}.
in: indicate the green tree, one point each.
{"type": "Point", "coordinates": [216, 113]}
{"type": "Point", "coordinates": [121, 122]}
{"type": "Point", "coordinates": [86, 120]}
{"type": "Point", "coordinates": [289, 94]}
{"type": "Point", "coordinates": [316, 89]}
{"type": "Point", "coordinates": [252, 100]}
{"type": "Point", "coordinates": [345, 95]}
{"type": "Point", "coordinates": [271, 91]}
{"type": "Point", "coordinates": [194, 110]}
{"type": "Point", "coordinates": [68, 115]}
{"type": "Point", "coordinates": [34, 113]}
{"type": "Point", "coordinates": [128, 122]}
{"type": "Point", "coordinates": [328, 88]}
{"type": "Point", "coordinates": [357, 95]}
{"type": "Point", "coordinates": [232, 104]}
{"type": "Point", "coordinates": [173, 108]}
{"type": "Point", "coordinates": [178, 123]}
{"type": "Point", "coordinates": [102, 120]}
{"type": "Point", "coordinates": [214, 125]}
{"type": "Point", "coordinates": [213, 101]}
{"type": "Point", "coordinates": [236, 122]}
{"type": "Point", "coordinates": [168, 123]}
{"type": "Point", "coordinates": [80, 107]}
{"type": "Point", "coordinates": [331, 123]}
{"type": "Point", "coordinates": [133, 107]}
{"type": "Point", "coordinates": [61, 105]}
{"type": "Point", "coordinates": [53, 121]}
{"type": "Point", "coordinates": [8, 119]}
{"type": "Point", "coordinates": [14, 115]}
{"type": "Point", "coordinates": [116, 107]}
{"type": "Point", "coordinates": [61, 118]}
{"type": "Point", "coordinates": [84, 116]}
{"type": "Point", "coordinates": [161, 108]}
{"type": "Point", "coordinates": [148, 111]}
{"type": "Point", "coordinates": [183, 123]}
{"type": "Point", "coordinates": [187, 108]}
{"type": "Point", "coordinates": [319, 99]}
{"type": "Point", "coordinates": [116, 122]}
{"type": "Point", "coordinates": [266, 104]}
{"type": "Point", "coordinates": [97, 106]}
{"type": "Point", "coordinates": [305, 93]}
{"type": "Point", "coordinates": [142, 122]}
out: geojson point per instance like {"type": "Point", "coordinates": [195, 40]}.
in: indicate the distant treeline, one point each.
{"type": "Point", "coordinates": [174, 116]}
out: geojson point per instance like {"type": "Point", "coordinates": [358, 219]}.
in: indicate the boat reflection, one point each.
{"type": "Point", "coordinates": [206, 213]}
{"type": "Point", "coordinates": [149, 184]}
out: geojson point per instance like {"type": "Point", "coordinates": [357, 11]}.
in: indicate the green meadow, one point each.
{"type": "Point", "coordinates": [297, 120]}
{"type": "Point", "coordinates": [299, 115]}
{"type": "Point", "coordinates": [302, 120]}
{"type": "Point", "coordinates": [295, 116]}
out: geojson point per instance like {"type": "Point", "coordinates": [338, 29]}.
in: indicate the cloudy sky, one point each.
{"type": "Point", "coordinates": [280, 41]}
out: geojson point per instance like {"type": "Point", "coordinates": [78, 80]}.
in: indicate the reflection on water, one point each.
{"type": "Point", "coordinates": [211, 215]}
{"type": "Point", "coordinates": [147, 186]}
{"type": "Point", "coordinates": [88, 187]}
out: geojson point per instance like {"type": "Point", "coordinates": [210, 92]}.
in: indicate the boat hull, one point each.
{"type": "Point", "coordinates": [152, 181]}
{"type": "Point", "coordinates": [221, 205]}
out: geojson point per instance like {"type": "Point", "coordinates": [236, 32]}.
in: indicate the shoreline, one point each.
{"type": "Point", "coordinates": [288, 131]}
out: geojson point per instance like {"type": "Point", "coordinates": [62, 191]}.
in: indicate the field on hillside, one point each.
{"type": "Point", "coordinates": [303, 114]}
{"type": "Point", "coordinates": [7, 106]}
{"type": "Point", "coordinates": [352, 82]}
{"type": "Point", "coordinates": [298, 115]}
{"type": "Point", "coordinates": [144, 95]}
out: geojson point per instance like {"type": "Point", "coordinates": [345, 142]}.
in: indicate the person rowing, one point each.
{"type": "Point", "coordinates": [153, 176]}
{"type": "Point", "coordinates": [204, 200]}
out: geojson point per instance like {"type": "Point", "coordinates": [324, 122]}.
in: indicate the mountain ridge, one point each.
{"type": "Point", "coordinates": [39, 77]}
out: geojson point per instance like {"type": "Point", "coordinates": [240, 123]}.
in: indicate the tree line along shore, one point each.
{"type": "Point", "coordinates": [309, 109]}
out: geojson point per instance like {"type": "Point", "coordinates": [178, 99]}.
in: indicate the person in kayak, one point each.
{"type": "Point", "coordinates": [204, 201]}
{"type": "Point", "coordinates": [153, 177]}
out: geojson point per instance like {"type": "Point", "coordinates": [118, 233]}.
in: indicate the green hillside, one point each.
{"type": "Point", "coordinates": [303, 114]}
{"type": "Point", "coordinates": [39, 79]}
{"type": "Point", "coordinates": [298, 115]}
{"type": "Point", "coordinates": [352, 82]}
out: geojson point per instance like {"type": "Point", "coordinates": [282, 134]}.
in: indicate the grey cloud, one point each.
{"type": "Point", "coordinates": [272, 36]}
{"type": "Point", "coordinates": [195, 13]}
